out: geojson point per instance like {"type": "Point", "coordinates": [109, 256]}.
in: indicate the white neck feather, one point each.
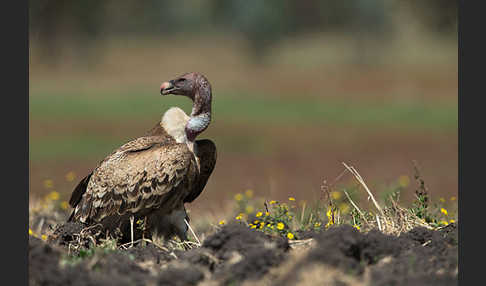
{"type": "Point", "coordinates": [174, 122]}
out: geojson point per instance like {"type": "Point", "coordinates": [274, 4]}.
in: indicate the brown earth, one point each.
{"type": "Point", "coordinates": [236, 255]}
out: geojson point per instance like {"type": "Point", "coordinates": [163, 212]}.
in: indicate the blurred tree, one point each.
{"type": "Point", "coordinates": [54, 21]}
{"type": "Point", "coordinates": [437, 16]}
{"type": "Point", "coordinates": [262, 23]}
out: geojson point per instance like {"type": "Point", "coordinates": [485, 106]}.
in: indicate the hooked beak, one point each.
{"type": "Point", "coordinates": [167, 87]}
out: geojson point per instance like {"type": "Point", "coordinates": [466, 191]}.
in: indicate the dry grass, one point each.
{"type": "Point", "coordinates": [391, 220]}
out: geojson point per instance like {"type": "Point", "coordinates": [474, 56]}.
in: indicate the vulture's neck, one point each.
{"type": "Point", "coordinates": [185, 129]}
{"type": "Point", "coordinates": [200, 114]}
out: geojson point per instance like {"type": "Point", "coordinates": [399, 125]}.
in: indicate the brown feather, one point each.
{"type": "Point", "coordinates": [133, 177]}
{"type": "Point", "coordinates": [79, 191]}
{"type": "Point", "coordinates": [206, 153]}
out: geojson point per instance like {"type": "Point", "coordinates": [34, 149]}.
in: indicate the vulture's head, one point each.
{"type": "Point", "coordinates": [196, 87]}
{"type": "Point", "coordinates": [192, 85]}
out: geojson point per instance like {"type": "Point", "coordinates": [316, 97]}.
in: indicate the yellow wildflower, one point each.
{"type": "Point", "coordinates": [443, 210]}
{"type": "Point", "coordinates": [53, 196]}
{"type": "Point", "coordinates": [64, 205]}
{"type": "Point", "coordinates": [267, 213]}
{"type": "Point", "coordinates": [256, 221]}
{"type": "Point", "coordinates": [31, 232]}
{"type": "Point", "coordinates": [336, 195]}
{"type": "Point", "coordinates": [44, 237]}
{"type": "Point", "coordinates": [48, 183]}
{"type": "Point", "coordinates": [70, 176]}
{"type": "Point", "coordinates": [269, 225]}
{"type": "Point", "coordinates": [290, 235]}
{"type": "Point", "coordinates": [238, 197]}
{"type": "Point", "coordinates": [259, 214]}
{"type": "Point", "coordinates": [221, 222]}
{"type": "Point", "coordinates": [330, 219]}
{"type": "Point", "coordinates": [453, 198]}
{"type": "Point", "coordinates": [249, 209]}
{"type": "Point", "coordinates": [317, 224]}
{"type": "Point", "coordinates": [442, 200]}
{"type": "Point", "coordinates": [262, 224]}
{"type": "Point", "coordinates": [280, 226]}
{"type": "Point", "coordinates": [249, 193]}
{"type": "Point", "coordinates": [404, 181]}
{"type": "Point", "coordinates": [356, 227]}
{"type": "Point", "coordinates": [272, 202]}
{"type": "Point", "coordinates": [329, 213]}
{"type": "Point", "coordinates": [253, 226]}
{"type": "Point", "coordinates": [452, 221]}
{"type": "Point", "coordinates": [444, 222]}
{"type": "Point", "coordinates": [238, 217]}
{"type": "Point", "coordinates": [291, 199]}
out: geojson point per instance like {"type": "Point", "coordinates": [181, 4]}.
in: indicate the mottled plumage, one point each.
{"type": "Point", "coordinates": [151, 177]}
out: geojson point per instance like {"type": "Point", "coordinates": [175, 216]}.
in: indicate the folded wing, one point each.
{"type": "Point", "coordinates": [142, 175]}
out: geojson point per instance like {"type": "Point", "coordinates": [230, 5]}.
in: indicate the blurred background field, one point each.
{"type": "Point", "coordinates": [298, 88]}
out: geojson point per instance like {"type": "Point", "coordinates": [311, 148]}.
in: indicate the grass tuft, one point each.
{"type": "Point", "coordinates": [293, 219]}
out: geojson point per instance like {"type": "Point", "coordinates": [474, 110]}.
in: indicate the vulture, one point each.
{"type": "Point", "coordinates": [149, 179]}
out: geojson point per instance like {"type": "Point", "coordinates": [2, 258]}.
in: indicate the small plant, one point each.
{"type": "Point", "coordinates": [338, 206]}
{"type": "Point", "coordinates": [282, 218]}
{"type": "Point", "coordinates": [421, 204]}
{"type": "Point", "coordinates": [106, 246]}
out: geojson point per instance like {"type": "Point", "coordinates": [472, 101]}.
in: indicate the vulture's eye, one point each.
{"type": "Point", "coordinates": [181, 80]}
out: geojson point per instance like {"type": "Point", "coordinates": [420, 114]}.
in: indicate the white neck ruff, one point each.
{"type": "Point", "coordinates": [174, 122]}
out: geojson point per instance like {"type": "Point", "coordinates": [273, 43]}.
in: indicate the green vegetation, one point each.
{"type": "Point", "coordinates": [338, 207]}
{"type": "Point", "coordinates": [115, 110]}
{"type": "Point", "coordinates": [107, 246]}
{"type": "Point", "coordinates": [249, 109]}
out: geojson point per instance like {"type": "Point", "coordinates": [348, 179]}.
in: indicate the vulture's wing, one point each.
{"type": "Point", "coordinates": [157, 130]}
{"type": "Point", "coordinates": [79, 191]}
{"type": "Point", "coordinates": [153, 137]}
{"type": "Point", "coordinates": [78, 194]}
{"type": "Point", "coordinates": [140, 175]}
{"type": "Point", "coordinates": [206, 151]}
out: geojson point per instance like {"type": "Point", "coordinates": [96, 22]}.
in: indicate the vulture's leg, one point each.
{"type": "Point", "coordinates": [192, 231]}
{"type": "Point", "coordinates": [131, 228]}
{"type": "Point", "coordinates": [179, 218]}
{"type": "Point", "coordinates": [167, 225]}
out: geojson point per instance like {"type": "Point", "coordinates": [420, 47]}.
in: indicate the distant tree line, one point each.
{"type": "Point", "coordinates": [260, 22]}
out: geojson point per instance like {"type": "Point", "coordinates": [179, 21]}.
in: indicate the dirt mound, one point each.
{"type": "Point", "coordinates": [419, 257]}
{"type": "Point", "coordinates": [149, 252]}
{"type": "Point", "coordinates": [66, 233]}
{"type": "Point", "coordinates": [180, 276]}
{"type": "Point", "coordinates": [431, 259]}
{"type": "Point", "coordinates": [45, 268]}
{"type": "Point", "coordinates": [233, 254]}
{"type": "Point", "coordinates": [236, 254]}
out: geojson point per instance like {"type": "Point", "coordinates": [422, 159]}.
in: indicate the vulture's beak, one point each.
{"type": "Point", "coordinates": [167, 87]}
